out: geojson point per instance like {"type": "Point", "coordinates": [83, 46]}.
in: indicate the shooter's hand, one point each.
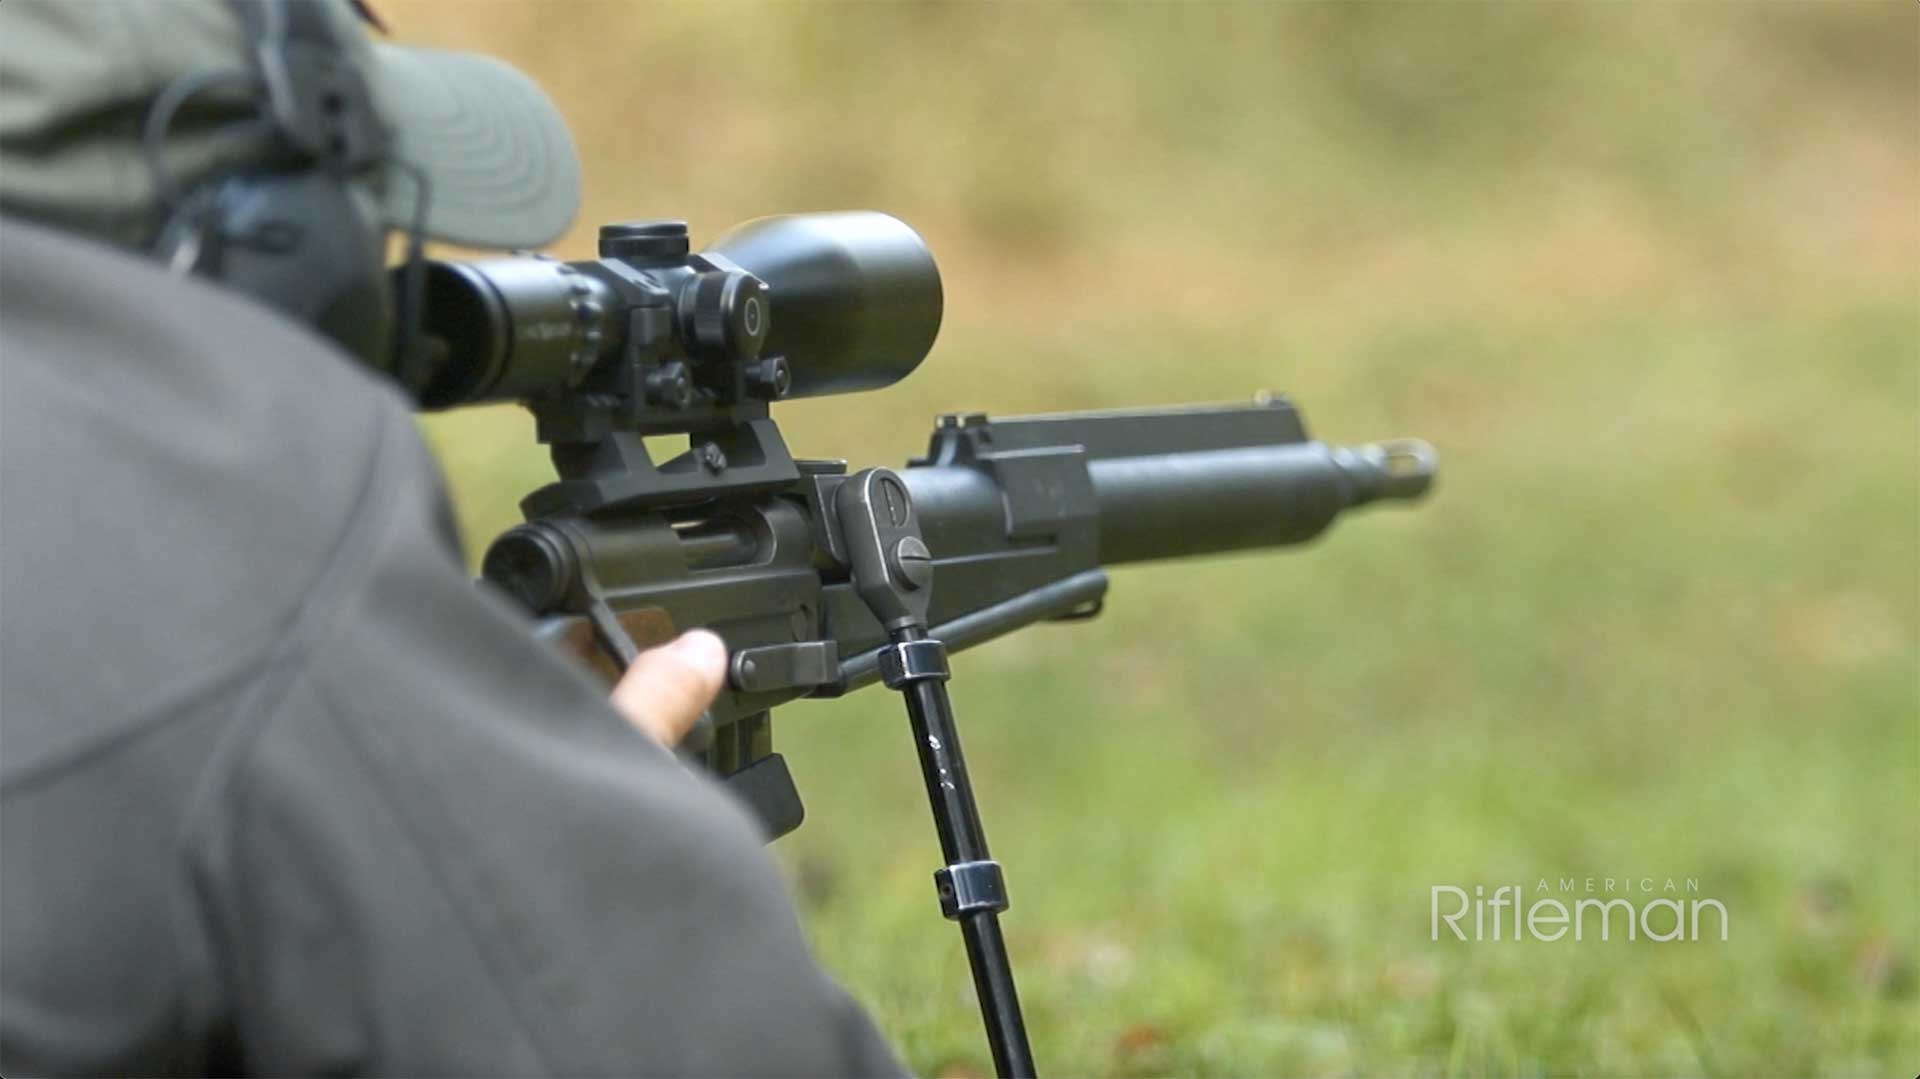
{"type": "Point", "coordinates": [667, 688]}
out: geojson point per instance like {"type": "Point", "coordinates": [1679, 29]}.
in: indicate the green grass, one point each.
{"type": "Point", "coordinates": [1637, 649]}
{"type": "Point", "coordinates": [1649, 276]}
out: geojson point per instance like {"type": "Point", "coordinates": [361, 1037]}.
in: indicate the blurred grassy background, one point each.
{"type": "Point", "coordinates": [1648, 275]}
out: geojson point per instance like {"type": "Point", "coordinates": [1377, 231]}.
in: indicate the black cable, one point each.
{"type": "Point", "coordinates": [160, 116]}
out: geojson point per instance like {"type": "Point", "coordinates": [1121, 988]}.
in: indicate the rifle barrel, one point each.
{"type": "Point", "coordinates": [1173, 505]}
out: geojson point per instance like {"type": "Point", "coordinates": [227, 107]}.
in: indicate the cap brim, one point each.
{"type": "Point", "coordinates": [499, 163]}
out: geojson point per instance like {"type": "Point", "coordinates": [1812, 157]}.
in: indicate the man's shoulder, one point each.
{"type": "Point", "coordinates": [122, 329]}
{"type": "Point", "coordinates": [176, 465]}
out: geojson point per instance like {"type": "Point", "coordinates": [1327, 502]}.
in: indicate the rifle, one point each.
{"type": "Point", "coordinates": [819, 580]}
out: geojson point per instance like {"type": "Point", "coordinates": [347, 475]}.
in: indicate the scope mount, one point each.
{"type": "Point", "coordinates": [714, 388]}
{"type": "Point", "coordinates": [617, 471]}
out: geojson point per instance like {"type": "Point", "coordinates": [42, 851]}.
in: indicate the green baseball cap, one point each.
{"type": "Point", "coordinates": [76, 79]}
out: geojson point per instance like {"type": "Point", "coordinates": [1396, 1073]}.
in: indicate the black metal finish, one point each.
{"type": "Point", "coordinates": [893, 576]}
{"type": "Point", "coordinates": [775, 667]}
{"type": "Point", "coordinates": [969, 887]}
{"type": "Point", "coordinates": [859, 306]}
{"type": "Point", "coordinates": [1076, 597]}
{"type": "Point", "coordinates": [1015, 518]}
{"type": "Point", "coordinates": [766, 786]}
{"type": "Point", "coordinates": [963, 843]}
{"type": "Point", "coordinates": [904, 662]}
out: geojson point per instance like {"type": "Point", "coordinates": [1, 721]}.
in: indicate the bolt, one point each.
{"type": "Point", "coordinates": [769, 379]}
{"type": "Point", "coordinates": [669, 386]}
{"type": "Point", "coordinates": [712, 457]}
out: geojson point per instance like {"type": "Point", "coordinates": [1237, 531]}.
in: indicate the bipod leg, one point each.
{"type": "Point", "coordinates": [892, 570]}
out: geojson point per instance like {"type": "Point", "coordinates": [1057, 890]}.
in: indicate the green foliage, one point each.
{"type": "Point", "coordinates": [1645, 274]}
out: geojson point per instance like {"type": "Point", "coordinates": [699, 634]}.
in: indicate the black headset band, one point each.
{"type": "Point", "coordinates": [318, 101]}
{"type": "Point", "coordinates": [297, 231]}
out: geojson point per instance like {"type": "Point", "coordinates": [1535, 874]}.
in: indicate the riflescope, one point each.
{"type": "Point", "coordinates": [654, 337]}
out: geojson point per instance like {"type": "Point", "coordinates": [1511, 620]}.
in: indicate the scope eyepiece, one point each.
{"type": "Point", "coordinates": [793, 306]}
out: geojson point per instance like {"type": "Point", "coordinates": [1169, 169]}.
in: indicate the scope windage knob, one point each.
{"type": "Point", "coordinates": [726, 314]}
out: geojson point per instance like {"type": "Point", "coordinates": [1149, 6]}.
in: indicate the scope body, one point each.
{"type": "Point", "coordinates": [653, 338]}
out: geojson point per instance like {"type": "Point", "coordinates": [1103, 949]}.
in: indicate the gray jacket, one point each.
{"type": "Point", "coordinates": [281, 791]}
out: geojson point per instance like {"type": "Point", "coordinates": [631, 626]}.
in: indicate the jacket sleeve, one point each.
{"type": "Point", "coordinates": [438, 850]}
